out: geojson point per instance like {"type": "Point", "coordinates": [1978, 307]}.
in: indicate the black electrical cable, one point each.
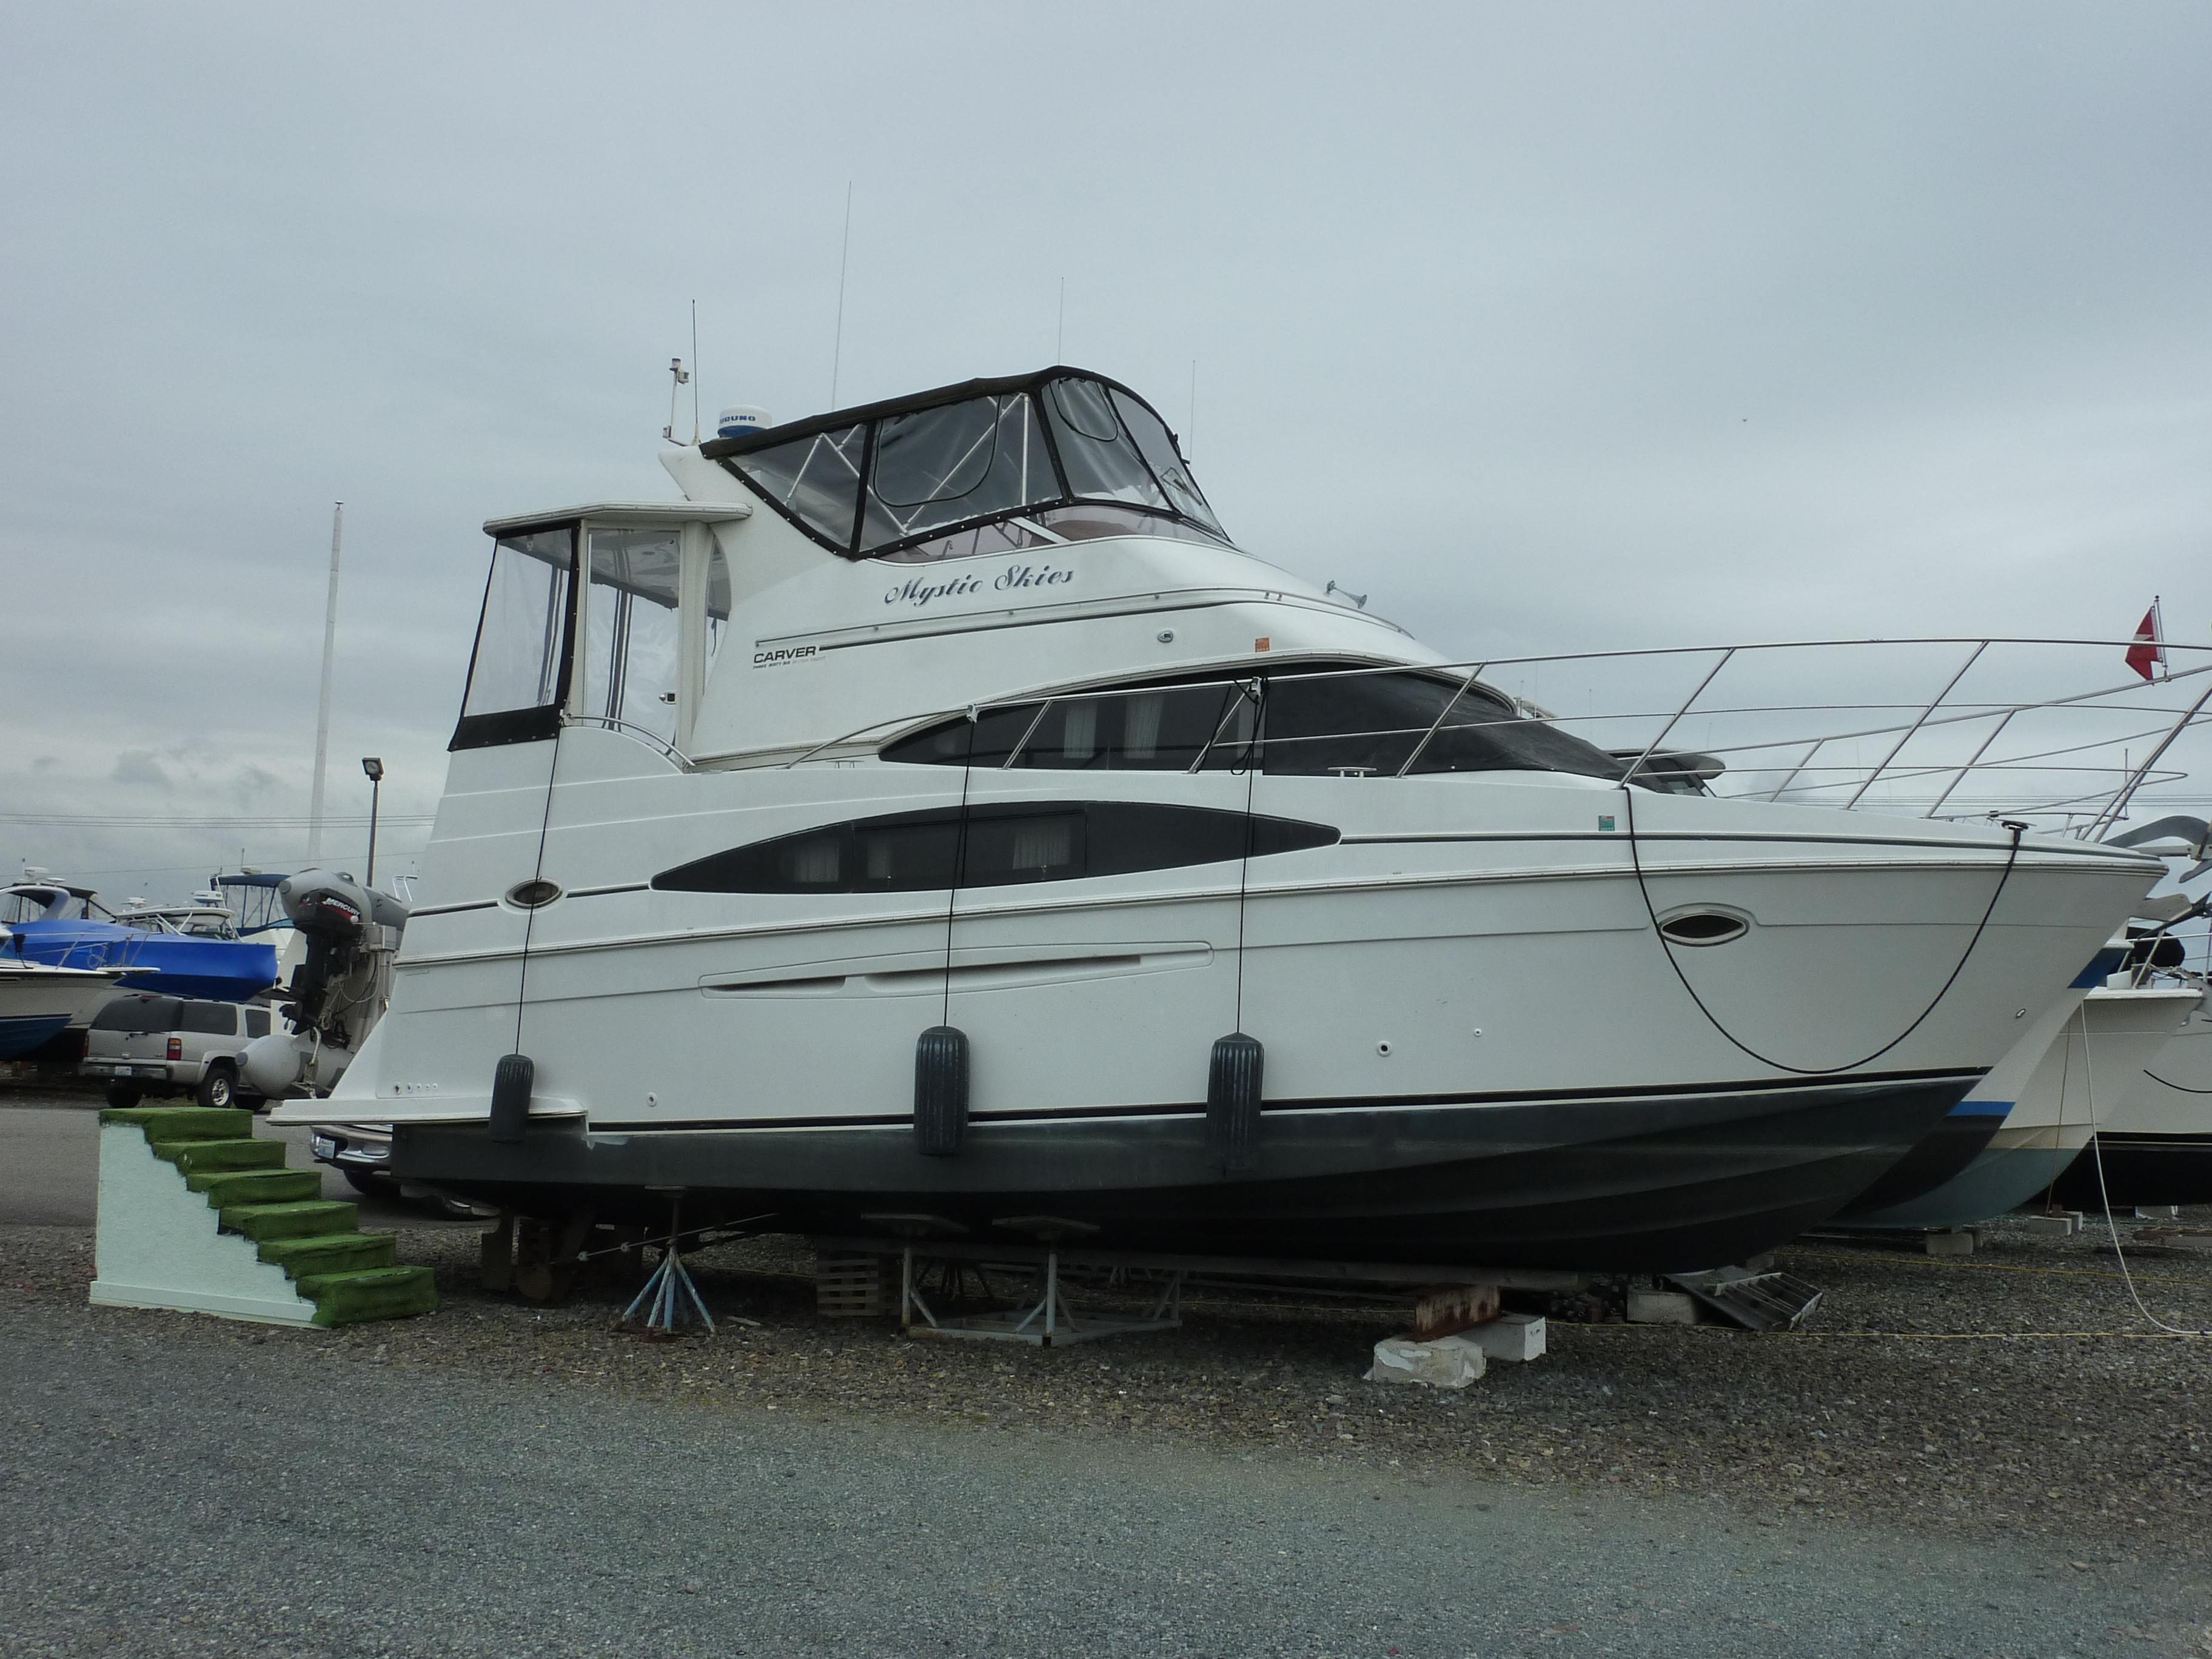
{"type": "Point", "coordinates": [1636, 860]}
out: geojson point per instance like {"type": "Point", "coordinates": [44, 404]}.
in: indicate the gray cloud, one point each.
{"type": "Point", "coordinates": [137, 767]}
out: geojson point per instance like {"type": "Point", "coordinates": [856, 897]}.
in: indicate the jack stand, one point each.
{"type": "Point", "coordinates": [669, 1297]}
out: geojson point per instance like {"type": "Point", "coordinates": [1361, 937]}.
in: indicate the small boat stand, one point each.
{"type": "Point", "coordinates": [1048, 1323]}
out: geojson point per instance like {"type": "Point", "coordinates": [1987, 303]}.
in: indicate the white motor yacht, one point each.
{"type": "Point", "coordinates": [935, 823]}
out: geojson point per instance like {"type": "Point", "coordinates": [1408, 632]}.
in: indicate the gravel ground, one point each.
{"type": "Point", "coordinates": [177, 1486]}
{"type": "Point", "coordinates": [2080, 1427]}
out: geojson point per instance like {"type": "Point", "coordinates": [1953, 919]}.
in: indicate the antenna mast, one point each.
{"type": "Point", "coordinates": [323, 707]}
{"type": "Point", "coordinates": [844, 252]}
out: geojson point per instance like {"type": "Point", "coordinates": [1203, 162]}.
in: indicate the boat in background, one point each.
{"type": "Point", "coordinates": [2155, 1146]}
{"type": "Point", "coordinates": [38, 1003]}
{"type": "Point", "coordinates": [2089, 1074]}
{"type": "Point", "coordinates": [188, 951]}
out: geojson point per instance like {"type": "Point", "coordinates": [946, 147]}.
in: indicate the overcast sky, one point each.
{"type": "Point", "coordinates": [1547, 327]}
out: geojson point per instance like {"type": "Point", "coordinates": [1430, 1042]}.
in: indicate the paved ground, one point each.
{"type": "Point", "coordinates": [50, 1164]}
{"type": "Point", "coordinates": [165, 1493]}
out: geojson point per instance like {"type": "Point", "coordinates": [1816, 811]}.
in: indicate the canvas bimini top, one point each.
{"type": "Point", "coordinates": [985, 466]}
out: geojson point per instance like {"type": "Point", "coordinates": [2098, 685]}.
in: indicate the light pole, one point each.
{"type": "Point", "coordinates": [375, 768]}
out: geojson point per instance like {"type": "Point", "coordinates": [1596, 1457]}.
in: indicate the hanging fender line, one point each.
{"type": "Point", "coordinates": [1635, 861]}
{"type": "Point", "coordinates": [536, 874]}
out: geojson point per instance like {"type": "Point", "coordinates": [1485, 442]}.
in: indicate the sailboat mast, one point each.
{"type": "Point", "coordinates": [323, 707]}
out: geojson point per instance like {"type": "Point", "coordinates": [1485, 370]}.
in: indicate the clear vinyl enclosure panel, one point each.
{"type": "Point", "coordinates": [978, 468]}
{"type": "Point", "coordinates": [516, 671]}
{"type": "Point", "coordinates": [630, 651]}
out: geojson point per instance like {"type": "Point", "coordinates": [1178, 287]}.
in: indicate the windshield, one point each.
{"type": "Point", "coordinates": [988, 467]}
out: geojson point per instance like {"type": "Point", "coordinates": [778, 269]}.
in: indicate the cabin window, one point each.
{"type": "Point", "coordinates": [1364, 724]}
{"type": "Point", "coordinates": [1004, 844]}
{"type": "Point", "coordinates": [630, 631]}
{"type": "Point", "coordinates": [1165, 729]}
{"type": "Point", "coordinates": [817, 480]}
{"type": "Point", "coordinates": [1297, 726]}
{"type": "Point", "coordinates": [517, 667]}
{"type": "Point", "coordinates": [257, 1022]}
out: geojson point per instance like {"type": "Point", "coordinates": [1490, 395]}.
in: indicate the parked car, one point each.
{"type": "Point", "coordinates": [144, 1043]}
{"type": "Point", "coordinates": [362, 1152]}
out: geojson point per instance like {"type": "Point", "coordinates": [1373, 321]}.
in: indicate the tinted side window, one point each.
{"type": "Point", "coordinates": [1005, 844]}
{"type": "Point", "coordinates": [214, 1018]}
{"type": "Point", "coordinates": [138, 1014]}
{"type": "Point", "coordinates": [257, 1022]}
{"type": "Point", "coordinates": [1371, 724]}
{"type": "Point", "coordinates": [1165, 730]}
{"type": "Point", "coordinates": [911, 852]}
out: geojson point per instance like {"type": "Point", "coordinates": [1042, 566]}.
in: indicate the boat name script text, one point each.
{"type": "Point", "coordinates": [919, 590]}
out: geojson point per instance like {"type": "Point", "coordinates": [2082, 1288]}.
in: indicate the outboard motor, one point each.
{"type": "Point", "coordinates": [337, 994]}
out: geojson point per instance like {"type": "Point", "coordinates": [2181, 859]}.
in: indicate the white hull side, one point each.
{"type": "Point", "coordinates": [1468, 936]}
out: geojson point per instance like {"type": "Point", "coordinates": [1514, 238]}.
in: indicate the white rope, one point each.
{"type": "Point", "coordinates": [2089, 1081]}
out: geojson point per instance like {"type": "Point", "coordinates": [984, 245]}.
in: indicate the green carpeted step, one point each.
{"type": "Point", "coordinates": [329, 1253]}
{"type": "Point", "coordinates": [314, 1219]}
{"type": "Point", "coordinates": [205, 1155]}
{"type": "Point", "coordinates": [222, 1187]}
{"type": "Point", "coordinates": [377, 1293]}
{"type": "Point", "coordinates": [182, 1122]}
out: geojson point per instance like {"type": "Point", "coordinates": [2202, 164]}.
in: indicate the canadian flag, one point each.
{"type": "Point", "coordinates": [2147, 653]}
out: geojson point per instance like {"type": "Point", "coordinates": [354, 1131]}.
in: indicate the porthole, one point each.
{"type": "Point", "coordinates": [1704, 927]}
{"type": "Point", "coordinates": [532, 895]}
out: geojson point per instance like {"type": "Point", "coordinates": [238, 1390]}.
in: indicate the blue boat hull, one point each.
{"type": "Point", "coordinates": [220, 969]}
{"type": "Point", "coordinates": [22, 1033]}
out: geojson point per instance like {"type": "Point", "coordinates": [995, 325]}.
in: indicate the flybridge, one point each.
{"type": "Point", "coordinates": [986, 467]}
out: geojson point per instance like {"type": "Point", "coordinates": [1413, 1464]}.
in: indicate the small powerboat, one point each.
{"type": "Point", "coordinates": [38, 1003]}
{"type": "Point", "coordinates": [190, 950]}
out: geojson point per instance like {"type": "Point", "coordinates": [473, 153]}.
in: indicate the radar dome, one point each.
{"type": "Point", "coordinates": [741, 421]}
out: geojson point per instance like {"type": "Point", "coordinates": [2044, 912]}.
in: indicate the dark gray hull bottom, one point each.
{"type": "Point", "coordinates": [1642, 1183]}
{"type": "Point", "coordinates": [1946, 1153]}
{"type": "Point", "coordinates": [2141, 1169]}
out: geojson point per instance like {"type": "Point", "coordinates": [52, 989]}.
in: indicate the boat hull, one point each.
{"type": "Point", "coordinates": [1631, 1182]}
{"type": "Point", "coordinates": [2090, 1073]}
{"type": "Point", "coordinates": [218, 969]}
{"type": "Point", "coordinates": [1944, 1154]}
{"type": "Point", "coordinates": [37, 1004]}
{"type": "Point", "coordinates": [2157, 1147]}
